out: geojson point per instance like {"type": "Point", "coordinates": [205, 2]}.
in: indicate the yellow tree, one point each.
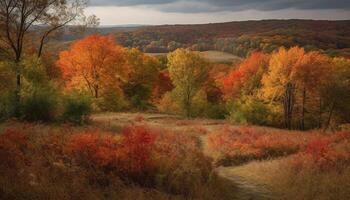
{"type": "Point", "coordinates": [279, 82]}
{"type": "Point", "coordinates": [93, 64]}
{"type": "Point", "coordinates": [188, 71]}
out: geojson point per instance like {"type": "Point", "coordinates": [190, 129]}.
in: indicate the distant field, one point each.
{"type": "Point", "coordinates": [213, 56]}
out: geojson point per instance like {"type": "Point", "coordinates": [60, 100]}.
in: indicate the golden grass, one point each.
{"type": "Point", "coordinates": [307, 184]}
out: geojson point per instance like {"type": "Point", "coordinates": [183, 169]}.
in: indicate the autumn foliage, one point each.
{"type": "Point", "coordinates": [237, 146]}
{"type": "Point", "coordinates": [92, 64]}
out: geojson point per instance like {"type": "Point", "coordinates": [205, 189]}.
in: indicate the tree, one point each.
{"type": "Point", "coordinates": [247, 78]}
{"type": "Point", "coordinates": [336, 91]}
{"type": "Point", "coordinates": [94, 64]}
{"type": "Point", "coordinates": [279, 82]}
{"type": "Point", "coordinates": [312, 70]}
{"type": "Point", "coordinates": [141, 78]}
{"type": "Point", "coordinates": [18, 18]}
{"type": "Point", "coordinates": [188, 70]}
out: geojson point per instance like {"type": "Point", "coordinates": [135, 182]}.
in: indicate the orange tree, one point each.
{"type": "Point", "coordinates": [95, 65]}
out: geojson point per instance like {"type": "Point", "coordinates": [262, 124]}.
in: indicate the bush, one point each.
{"type": "Point", "coordinates": [77, 108]}
{"type": "Point", "coordinates": [113, 101]}
{"type": "Point", "coordinates": [250, 110]}
{"type": "Point", "coordinates": [40, 104]}
{"type": "Point", "coordinates": [7, 106]}
{"type": "Point", "coordinates": [217, 111]}
{"type": "Point", "coordinates": [138, 95]}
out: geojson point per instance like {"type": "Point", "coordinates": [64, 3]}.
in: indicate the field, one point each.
{"type": "Point", "coordinates": [213, 56]}
{"type": "Point", "coordinates": [251, 162]}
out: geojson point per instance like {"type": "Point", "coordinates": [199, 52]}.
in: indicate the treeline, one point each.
{"type": "Point", "coordinates": [289, 88]}
{"type": "Point", "coordinates": [242, 38]}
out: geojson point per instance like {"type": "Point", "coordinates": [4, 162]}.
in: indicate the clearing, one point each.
{"type": "Point", "coordinates": [213, 56]}
{"type": "Point", "coordinates": [243, 188]}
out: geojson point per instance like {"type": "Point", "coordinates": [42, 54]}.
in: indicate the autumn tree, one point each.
{"type": "Point", "coordinates": [336, 92]}
{"type": "Point", "coordinates": [309, 75]}
{"type": "Point", "coordinates": [94, 64]}
{"type": "Point", "coordinates": [19, 18]}
{"type": "Point", "coordinates": [279, 83]}
{"type": "Point", "coordinates": [188, 70]}
{"type": "Point", "coordinates": [247, 78]}
{"type": "Point", "coordinates": [141, 78]}
{"type": "Point", "coordinates": [162, 86]}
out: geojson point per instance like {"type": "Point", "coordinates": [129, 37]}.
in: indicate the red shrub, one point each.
{"type": "Point", "coordinates": [130, 156]}
{"type": "Point", "coordinates": [13, 144]}
{"type": "Point", "coordinates": [94, 148]}
{"type": "Point", "coordinates": [136, 147]}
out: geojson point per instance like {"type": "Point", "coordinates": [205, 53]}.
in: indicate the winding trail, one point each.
{"type": "Point", "coordinates": [246, 190]}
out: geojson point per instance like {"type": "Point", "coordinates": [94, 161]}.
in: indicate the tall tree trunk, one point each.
{"type": "Point", "coordinates": [288, 105]}
{"type": "Point", "coordinates": [330, 115]}
{"type": "Point", "coordinates": [17, 108]}
{"type": "Point", "coordinates": [303, 110]}
{"type": "Point", "coordinates": [320, 114]}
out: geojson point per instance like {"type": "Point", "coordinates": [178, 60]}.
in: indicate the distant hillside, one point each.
{"type": "Point", "coordinates": [239, 38]}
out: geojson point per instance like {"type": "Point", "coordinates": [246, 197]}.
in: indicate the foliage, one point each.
{"type": "Point", "coordinates": [246, 80]}
{"type": "Point", "coordinates": [141, 78]}
{"type": "Point", "coordinates": [94, 64]}
{"type": "Point", "coordinates": [40, 104]}
{"type": "Point", "coordinates": [77, 108]}
{"type": "Point", "coordinates": [188, 70]}
{"type": "Point", "coordinates": [250, 110]}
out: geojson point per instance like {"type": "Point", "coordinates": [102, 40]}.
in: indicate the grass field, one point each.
{"type": "Point", "coordinates": [249, 162]}
{"type": "Point", "coordinates": [213, 56]}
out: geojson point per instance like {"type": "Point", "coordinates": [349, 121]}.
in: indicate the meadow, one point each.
{"type": "Point", "coordinates": [159, 156]}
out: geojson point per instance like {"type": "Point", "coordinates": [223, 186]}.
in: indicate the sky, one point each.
{"type": "Point", "coordinates": [156, 12]}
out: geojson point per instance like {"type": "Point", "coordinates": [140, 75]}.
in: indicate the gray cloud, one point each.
{"type": "Point", "coordinates": [198, 6]}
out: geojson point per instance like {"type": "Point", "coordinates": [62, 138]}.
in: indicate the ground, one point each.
{"type": "Point", "coordinates": [243, 189]}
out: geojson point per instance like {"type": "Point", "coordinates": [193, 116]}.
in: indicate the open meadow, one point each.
{"type": "Point", "coordinates": [159, 156]}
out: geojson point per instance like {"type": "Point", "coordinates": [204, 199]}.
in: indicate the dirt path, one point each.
{"type": "Point", "coordinates": [245, 190]}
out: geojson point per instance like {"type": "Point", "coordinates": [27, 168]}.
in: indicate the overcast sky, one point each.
{"type": "Point", "coordinates": [117, 12]}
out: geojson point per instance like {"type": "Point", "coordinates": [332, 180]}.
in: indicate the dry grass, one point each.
{"type": "Point", "coordinates": [319, 169]}
{"type": "Point", "coordinates": [66, 162]}
{"type": "Point", "coordinates": [307, 184]}
{"type": "Point", "coordinates": [213, 56]}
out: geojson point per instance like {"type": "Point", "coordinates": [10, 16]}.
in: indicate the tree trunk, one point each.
{"type": "Point", "coordinates": [288, 105]}
{"type": "Point", "coordinates": [303, 110]}
{"type": "Point", "coordinates": [330, 115]}
{"type": "Point", "coordinates": [17, 108]}
{"type": "Point", "coordinates": [320, 114]}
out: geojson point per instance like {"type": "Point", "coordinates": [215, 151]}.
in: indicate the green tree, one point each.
{"type": "Point", "coordinates": [188, 71]}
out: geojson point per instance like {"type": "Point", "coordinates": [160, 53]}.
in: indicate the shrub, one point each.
{"type": "Point", "coordinates": [40, 104]}
{"type": "Point", "coordinates": [241, 145]}
{"type": "Point", "coordinates": [217, 111]}
{"type": "Point", "coordinates": [168, 105]}
{"type": "Point", "coordinates": [13, 144]}
{"type": "Point", "coordinates": [129, 157]}
{"type": "Point", "coordinates": [111, 100]}
{"type": "Point", "coordinates": [250, 110]}
{"type": "Point", "coordinates": [77, 108]}
{"type": "Point", "coordinates": [138, 95]}
{"type": "Point", "coordinates": [7, 106]}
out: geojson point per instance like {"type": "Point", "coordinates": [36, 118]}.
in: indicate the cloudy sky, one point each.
{"type": "Point", "coordinates": [118, 12]}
